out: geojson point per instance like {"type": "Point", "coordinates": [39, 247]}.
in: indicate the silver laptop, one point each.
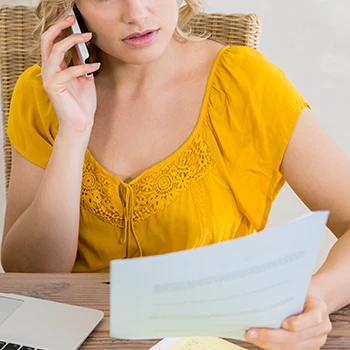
{"type": "Point", "coordinates": [30, 324]}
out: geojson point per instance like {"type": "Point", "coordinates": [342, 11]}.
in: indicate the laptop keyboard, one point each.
{"type": "Point", "coordinates": [10, 346]}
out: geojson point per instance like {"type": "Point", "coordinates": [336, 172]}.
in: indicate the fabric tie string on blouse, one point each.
{"type": "Point", "coordinates": [127, 198]}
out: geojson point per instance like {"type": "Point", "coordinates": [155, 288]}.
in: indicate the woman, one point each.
{"type": "Point", "coordinates": [173, 143]}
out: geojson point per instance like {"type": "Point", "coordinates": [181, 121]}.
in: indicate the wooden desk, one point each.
{"type": "Point", "coordinates": [92, 290]}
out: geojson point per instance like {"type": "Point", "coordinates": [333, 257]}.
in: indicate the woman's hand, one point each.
{"type": "Point", "coordinates": [307, 331]}
{"type": "Point", "coordinates": [72, 94]}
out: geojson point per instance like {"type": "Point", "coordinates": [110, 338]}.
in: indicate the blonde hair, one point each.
{"type": "Point", "coordinates": [51, 12]}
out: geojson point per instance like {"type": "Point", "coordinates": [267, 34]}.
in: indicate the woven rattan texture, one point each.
{"type": "Point", "coordinates": [16, 41]}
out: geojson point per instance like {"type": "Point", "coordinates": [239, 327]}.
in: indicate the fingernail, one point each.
{"type": "Point", "coordinates": [285, 325]}
{"type": "Point", "coordinates": [252, 334]}
{"type": "Point", "coordinates": [69, 17]}
{"type": "Point", "coordinates": [96, 65]}
{"type": "Point", "coordinates": [86, 34]}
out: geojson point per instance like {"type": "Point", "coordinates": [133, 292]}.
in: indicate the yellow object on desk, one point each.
{"type": "Point", "coordinates": [195, 343]}
{"type": "Point", "coordinates": [204, 343]}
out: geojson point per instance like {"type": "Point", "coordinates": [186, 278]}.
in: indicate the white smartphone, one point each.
{"type": "Point", "coordinates": [81, 48]}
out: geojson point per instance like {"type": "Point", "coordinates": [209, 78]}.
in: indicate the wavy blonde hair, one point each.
{"type": "Point", "coordinates": [51, 12]}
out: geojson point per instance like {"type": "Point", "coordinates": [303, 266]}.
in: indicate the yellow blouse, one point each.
{"type": "Point", "coordinates": [218, 185]}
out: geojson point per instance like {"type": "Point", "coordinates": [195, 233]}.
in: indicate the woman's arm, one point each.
{"type": "Point", "coordinates": [319, 173]}
{"type": "Point", "coordinates": [42, 214]}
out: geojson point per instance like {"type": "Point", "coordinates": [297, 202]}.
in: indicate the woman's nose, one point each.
{"type": "Point", "coordinates": [135, 12]}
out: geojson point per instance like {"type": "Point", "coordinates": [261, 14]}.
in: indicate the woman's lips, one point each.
{"type": "Point", "coordinates": [141, 41]}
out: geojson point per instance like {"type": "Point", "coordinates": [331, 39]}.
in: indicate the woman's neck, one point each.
{"type": "Point", "coordinates": [115, 74]}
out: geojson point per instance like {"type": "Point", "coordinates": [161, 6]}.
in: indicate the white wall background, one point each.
{"type": "Point", "coordinates": [309, 40]}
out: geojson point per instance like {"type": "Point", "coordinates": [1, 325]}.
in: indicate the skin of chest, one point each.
{"type": "Point", "coordinates": [137, 129]}
{"type": "Point", "coordinates": [131, 136]}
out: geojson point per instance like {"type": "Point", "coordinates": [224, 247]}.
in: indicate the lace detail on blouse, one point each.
{"type": "Point", "coordinates": [151, 193]}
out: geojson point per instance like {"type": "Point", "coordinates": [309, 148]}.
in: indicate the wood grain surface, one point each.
{"type": "Point", "coordinates": [92, 290]}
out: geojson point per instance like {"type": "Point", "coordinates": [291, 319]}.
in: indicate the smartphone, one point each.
{"type": "Point", "coordinates": [82, 50]}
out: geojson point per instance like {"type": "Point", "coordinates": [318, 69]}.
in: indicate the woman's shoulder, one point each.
{"type": "Point", "coordinates": [30, 80]}
{"type": "Point", "coordinates": [244, 52]}
{"type": "Point", "coordinates": [199, 55]}
{"type": "Point", "coordinates": [228, 61]}
{"type": "Point", "coordinates": [29, 99]}
{"type": "Point", "coordinates": [32, 124]}
{"type": "Point", "coordinates": [245, 61]}
{"type": "Point", "coordinates": [32, 75]}
{"type": "Point", "coordinates": [235, 54]}
{"type": "Point", "coordinates": [29, 90]}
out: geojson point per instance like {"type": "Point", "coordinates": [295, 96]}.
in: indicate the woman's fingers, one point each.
{"type": "Point", "coordinates": [61, 79]}
{"type": "Point", "coordinates": [310, 344]}
{"type": "Point", "coordinates": [73, 98]}
{"type": "Point", "coordinates": [75, 56]}
{"type": "Point", "coordinates": [49, 38]}
{"type": "Point", "coordinates": [277, 339]}
{"type": "Point", "coordinates": [315, 311]}
{"type": "Point", "coordinates": [54, 52]}
{"type": "Point", "coordinates": [308, 330]}
{"type": "Point", "coordinates": [59, 50]}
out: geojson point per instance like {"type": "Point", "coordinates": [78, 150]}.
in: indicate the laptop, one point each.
{"type": "Point", "coordinates": [34, 324]}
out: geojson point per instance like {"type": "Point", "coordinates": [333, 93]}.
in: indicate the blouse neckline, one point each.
{"type": "Point", "coordinates": [189, 140]}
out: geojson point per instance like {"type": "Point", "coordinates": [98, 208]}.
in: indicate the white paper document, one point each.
{"type": "Point", "coordinates": [220, 290]}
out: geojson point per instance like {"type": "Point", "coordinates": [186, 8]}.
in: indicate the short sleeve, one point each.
{"type": "Point", "coordinates": [253, 111]}
{"type": "Point", "coordinates": [32, 123]}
